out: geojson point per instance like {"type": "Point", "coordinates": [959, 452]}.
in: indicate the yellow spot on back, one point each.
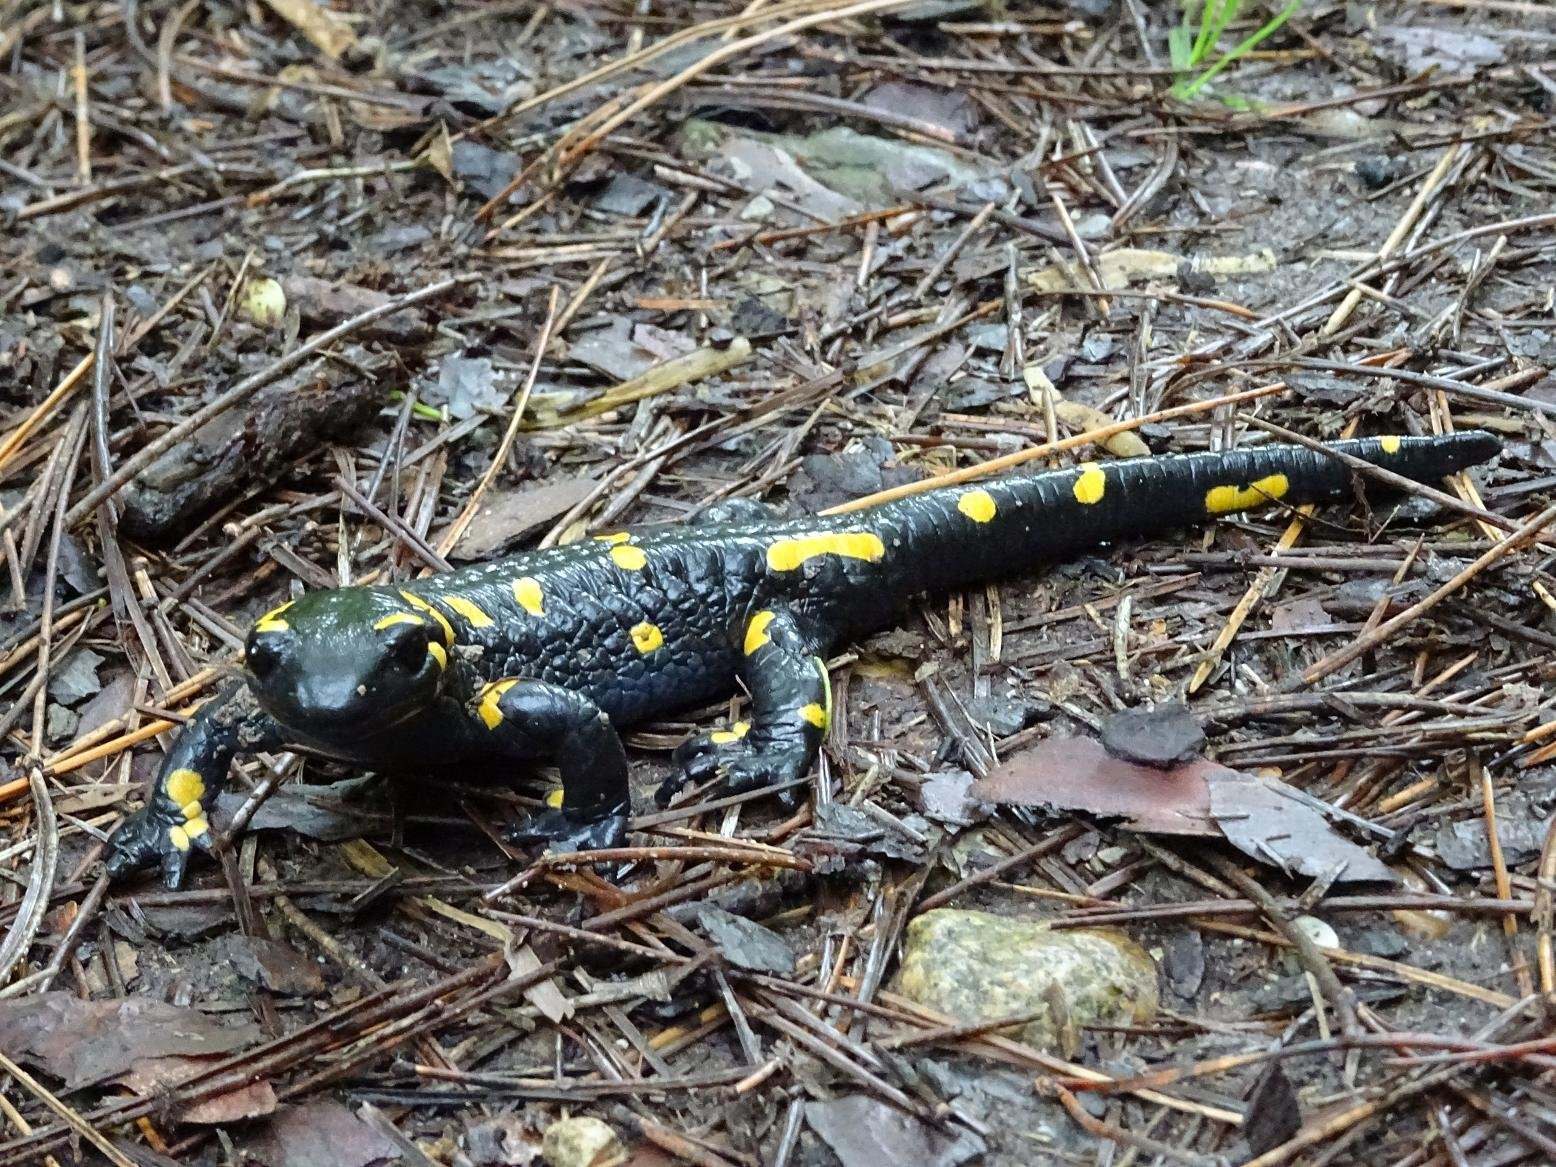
{"type": "Point", "coordinates": [490, 697]}
{"type": "Point", "coordinates": [526, 590]}
{"type": "Point", "coordinates": [417, 602]}
{"type": "Point", "coordinates": [554, 798]}
{"type": "Point", "coordinates": [1390, 443]}
{"type": "Point", "coordinates": [628, 557]}
{"type": "Point", "coordinates": [178, 837]}
{"type": "Point", "coordinates": [788, 554]}
{"type": "Point", "coordinates": [723, 737]}
{"type": "Point", "coordinates": [647, 637]}
{"type": "Point", "coordinates": [438, 653]}
{"type": "Point", "coordinates": [756, 631]}
{"type": "Point", "coordinates": [192, 810]}
{"type": "Point", "coordinates": [469, 610]}
{"type": "Point", "coordinates": [977, 505]}
{"type": "Point", "coordinates": [271, 621]}
{"type": "Point", "coordinates": [614, 537]}
{"type": "Point", "coordinates": [184, 786]}
{"type": "Point", "coordinates": [814, 714]}
{"type": "Point", "coordinates": [394, 618]}
{"type": "Point", "coordinates": [1222, 500]}
{"type": "Point", "coordinates": [1090, 484]}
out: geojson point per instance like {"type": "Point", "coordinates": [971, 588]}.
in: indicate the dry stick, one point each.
{"type": "Point", "coordinates": [246, 388]}
{"type": "Point", "coordinates": [1097, 436]}
{"type": "Point", "coordinates": [31, 422]}
{"type": "Point", "coordinates": [72, 1119]}
{"type": "Point", "coordinates": [1364, 644]}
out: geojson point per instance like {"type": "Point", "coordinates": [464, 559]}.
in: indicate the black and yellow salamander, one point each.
{"type": "Point", "coordinates": [546, 654]}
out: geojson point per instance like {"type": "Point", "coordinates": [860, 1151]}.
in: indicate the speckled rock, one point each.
{"type": "Point", "coordinates": [974, 966]}
{"type": "Point", "coordinates": [582, 1141]}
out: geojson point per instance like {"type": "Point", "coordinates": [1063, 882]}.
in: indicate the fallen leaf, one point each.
{"type": "Point", "coordinates": [1267, 821]}
{"type": "Point", "coordinates": [320, 1134]}
{"type": "Point", "coordinates": [864, 1132]}
{"type": "Point", "coordinates": [506, 516]}
{"type": "Point", "coordinates": [745, 943]}
{"type": "Point", "coordinates": [276, 966]}
{"type": "Point", "coordinates": [153, 1076]}
{"type": "Point", "coordinates": [1161, 737]}
{"type": "Point", "coordinates": [1127, 265]}
{"type": "Point", "coordinates": [1274, 1114]}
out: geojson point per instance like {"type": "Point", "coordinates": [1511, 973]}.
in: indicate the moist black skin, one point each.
{"type": "Point", "coordinates": [546, 654]}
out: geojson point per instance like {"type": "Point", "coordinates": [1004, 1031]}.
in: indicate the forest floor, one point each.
{"type": "Point", "coordinates": [293, 297]}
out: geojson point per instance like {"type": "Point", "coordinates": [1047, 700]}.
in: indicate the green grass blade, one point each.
{"type": "Point", "coordinates": [1242, 48]}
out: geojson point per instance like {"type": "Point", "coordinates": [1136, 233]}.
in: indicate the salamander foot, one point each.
{"type": "Point", "coordinates": [562, 830]}
{"type": "Point", "coordinates": [149, 839]}
{"type": "Point", "coordinates": [737, 765]}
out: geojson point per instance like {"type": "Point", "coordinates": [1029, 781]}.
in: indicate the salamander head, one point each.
{"type": "Point", "coordinates": [344, 664]}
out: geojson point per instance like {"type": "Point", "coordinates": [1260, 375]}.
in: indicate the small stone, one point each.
{"type": "Point", "coordinates": [977, 967]}
{"type": "Point", "coordinates": [745, 943]}
{"type": "Point", "coordinates": [1164, 736]}
{"type": "Point", "coordinates": [582, 1141]}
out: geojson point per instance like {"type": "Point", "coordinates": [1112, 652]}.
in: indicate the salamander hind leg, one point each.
{"type": "Point", "coordinates": [791, 707]}
{"type": "Point", "coordinates": [534, 719]}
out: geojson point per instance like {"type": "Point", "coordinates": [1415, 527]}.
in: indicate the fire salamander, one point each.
{"type": "Point", "coordinates": [545, 654]}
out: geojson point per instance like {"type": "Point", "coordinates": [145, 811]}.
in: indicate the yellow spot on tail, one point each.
{"type": "Point", "coordinates": [723, 737]}
{"type": "Point", "coordinates": [788, 554]}
{"type": "Point", "coordinates": [197, 826]}
{"type": "Point", "coordinates": [417, 602]}
{"type": "Point", "coordinates": [1222, 500]}
{"type": "Point", "coordinates": [469, 610]}
{"type": "Point", "coordinates": [394, 618]}
{"type": "Point", "coordinates": [491, 695]}
{"type": "Point", "coordinates": [977, 505]}
{"type": "Point", "coordinates": [184, 786]}
{"type": "Point", "coordinates": [178, 837]}
{"type": "Point", "coordinates": [1090, 484]}
{"type": "Point", "coordinates": [554, 798]}
{"type": "Point", "coordinates": [438, 653]}
{"type": "Point", "coordinates": [614, 537]}
{"type": "Point", "coordinates": [271, 621]}
{"type": "Point", "coordinates": [526, 590]}
{"type": "Point", "coordinates": [628, 557]}
{"type": "Point", "coordinates": [814, 715]}
{"type": "Point", "coordinates": [756, 631]}
{"type": "Point", "coordinates": [647, 637]}
{"type": "Point", "coordinates": [1390, 443]}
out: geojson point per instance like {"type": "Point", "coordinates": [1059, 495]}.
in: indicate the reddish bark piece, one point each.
{"type": "Point", "coordinates": [1078, 774]}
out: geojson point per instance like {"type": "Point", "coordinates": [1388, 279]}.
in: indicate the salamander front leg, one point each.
{"type": "Point", "coordinates": [791, 707]}
{"type": "Point", "coordinates": [531, 719]}
{"type": "Point", "coordinates": [175, 817]}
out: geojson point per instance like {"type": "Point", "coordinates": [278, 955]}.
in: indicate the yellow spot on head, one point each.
{"type": "Point", "coordinates": [554, 798]}
{"type": "Point", "coordinates": [271, 621]}
{"type": "Point", "coordinates": [756, 631]}
{"type": "Point", "coordinates": [184, 786]}
{"type": "Point", "coordinates": [788, 554]}
{"type": "Point", "coordinates": [526, 590]}
{"type": "Point", "coordinates": [977, 505]}
{"type": "Point", "coordinates": [614, 537]}
{"type": "Point", "coordinates": [197, 826]}
{"type": "Point", "coordinates": [628, 557]}
{"type": "Point", "coordinates": [178, 837]}
{"type": "Point", "coordinates": [814, 715]}
{"type": "Point", "coordinates": [490, 698]}
{"type": "Point", "coordinates": [723, 737]}
{"type": "Point", "coordinates": [469, 610]}
{"type": "Point", "coordinates": [417, 602]}
{"type": "Point", "coordinates": [1390, 443]}
{"type": "Point", "coordinates": [394, 618]}
{"type": "Point", "coordinates": [647, 637]}
{"type": "Point", "coordinates": [1090, 484]}
{"type": "Point", "coordinates": [1223, 500]}
{"type": "Point", "coordinates": [438, 653]}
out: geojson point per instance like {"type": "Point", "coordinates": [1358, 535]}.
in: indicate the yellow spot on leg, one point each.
{"type": "Point", "coordinates": [185, 786]}
{"type": "Point", "coordinates": [814, 714]}
{"type": "Point", "coordinates": [438, 653]}
{"type": "Point", "coordinates": [178, 837]}
{"type": "Point", "coordinates": [394, 618]}
{"type": "Point", "coordinates": [1223, 500]}
{"type": "Point", "coordinates": [417, 602]}
{"type": "Point", "coordinates": [724, 737]}
{"type": "Point", "coordinates": [647, 637]}
{"type": "Point", "coordinates": [197, 826]}
{"type": "Point", "coordinates": [491, 696]}
{"type": "Point", "coordinates": [526, 590]}
{"type": "Point", "coordinates": [554, 798]}
{"type": "Point", "coordinates": [977, 505]}
{"type": "Point", "coordinates": [614, 537]}
{"type": "Point", "coordinates": [788, 554]}
{"type": "Point", "coordinates": [1390, 443]}
{"type": "Point", "coordinates": [469, 610]}
{"type": "Point", "coordinates": [756, 631]}
{"type": "Point", "coordinates": [627, 557]}
{"type": "Point", "coordinates": [1090, 484]}
{"type": "Point", "coordinates": [271, 621]}
{"type": "Point", "coordinates": [192, 810]}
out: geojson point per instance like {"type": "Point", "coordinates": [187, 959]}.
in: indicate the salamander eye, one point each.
{"type": "Point", "coordinates": [261, 657]}
{"type": "Point", "coordinates": [408, 648]}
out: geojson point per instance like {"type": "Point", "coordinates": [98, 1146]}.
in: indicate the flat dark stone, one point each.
{"type": "Point", "coordinates": [1162, 737]}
